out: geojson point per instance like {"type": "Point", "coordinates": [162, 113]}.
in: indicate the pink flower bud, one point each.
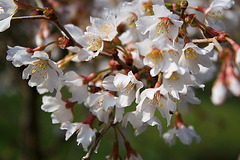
{"type": "Point", "coordinates": [232, 81]}
{"type": "Point", "coordinates": [219, 90]}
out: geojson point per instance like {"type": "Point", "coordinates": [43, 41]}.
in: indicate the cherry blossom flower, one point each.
{"type": "Point", "coordinates": [152, 99]}
{"type": "Point", "coordinates": [85, 134]}
{"type": "Point", "coordinates": [40, 67]}
{"type": "Point", "coordinates": [89, 41]}
{"type": "Point", "coordinates": [232, 80]}
{"type": "Point", "coordinates": [76, 87]}
{"type": "Point", "coordinates": [187, 97]}
{"type": "Point", "coordinates": [155, 55]}
{"type": "Point", "coordinates": [146, 6]}
{"type": "Point", "coordinates": [7, 9]}
{"type": "Point", "coordinates": [159, 25]}
{"type": "Point", "coordinates": [107, 27]}
{"type": "Point", "coordinates": [219, 90]}
{"type": "Point", "coordinates": [128, 15]}
{"type": "Point", "coordinates": [193, 56]}
{"type": "Point", "coordinates": [177, 79]}
{"type": "Point", "coordinates": [127, 86]}
{"type": "Point", "coordinates": [19, 56]}
{"type": "Point", "coordinates": [101, 105]}
{"type": "Point", "coordinates": [62, 111]}
{"type": "Point", "coordinates": [184, 133]}
{"type": "Point", "coordinates": [135, 118]}
{"type": "Point", "coordinates": [214, 13]}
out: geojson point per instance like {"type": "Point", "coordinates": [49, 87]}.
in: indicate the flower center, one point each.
{"type": "Point", "coordinates": [174, 76]}
{"type": "Point", "coordinates": [1, 10]}
{"type": "Point", "coordinates": [40, 68]}
{"type": "Point", "coordinates": [156, 55]}
{"type": "Point", "coordinates": [191, 54]}
{"type": "Point", "coordinates": [156, 101]}
{"type": "Point", "coordinates": [128, 88]}
{"type": "Point", "coordinates": [132, 19]}
{"type": "Point", "coordinates": [94, 43]}
{"type": "Point", "coordinates": [162, 26]}
{"type": "Point", "coordinates": [148, 8]}
{"type": "Point", "coordinates": [106, 28]}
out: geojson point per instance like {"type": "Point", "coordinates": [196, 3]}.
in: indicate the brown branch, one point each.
{"type": "Point", "coordinates": [59, 26]}
{"type": "Point", "coordinates": [210, 40]}
{"type": "Point", "coordinates": [30, 17]}
{"type": "Point", "coordinates": [134, 69]}
{"type": "Point", "coordinates": [99, 136]}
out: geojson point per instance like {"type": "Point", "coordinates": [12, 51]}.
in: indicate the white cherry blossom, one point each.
{"type": "Point", "coordinates": [145, 7]}
{"type": "Point", "coordinates": [214, 13]}
{"type": "Point", "coordinates": [127, 86]}
{"type": "Point", "coordinates": [76, 87]}
{"type": "Point", "coordinates": [61, 111]}
{"type": "Point", "coordinates": [7, 9]}
{"type": "Point", "coordinates": [152, 99]}
{"type": "Point", "coordinates": [155, 55]}
{"type": "Point", "coordinates": [91, 43]}
{"type": "Point", "coordinates": [219, 90]}
{"type": "Point", "coordinates": [177, 79]}
{"type": "Point", "coordinates": [135, 118]}
{"type": "Point", "coordinates": [85, 134]}
{"type": "Point", "coordinates": [184, 133]}
{"type": "Point", "coordinates": [101, 105]}
{"type": "Point", "coordinates": [41, 69]}
{"type": "Point", "coordinates": [192, 56]}
{"type": "Point", "coordinates": [106, 27]}
{"type": "Point", "coordinates": [160, 24]}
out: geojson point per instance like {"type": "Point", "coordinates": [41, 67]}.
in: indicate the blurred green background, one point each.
{"type": "Point", "coordinates": [26, 132]}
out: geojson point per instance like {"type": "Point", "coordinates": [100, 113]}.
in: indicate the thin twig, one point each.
{"type": "Point", "coordinates": [124, 64]}
{"type": "Point", "coordinates": [210, 40]}
{"type": "Point", "coordinates": [105, 54]}
{"type": "Point", "coordinates": [30, 17]}
{"type": "Point", "coordinates": [60, 27]}
{"type": "Point", "coordinates": [99, 136]}
{"type": "Point", "coordinates": [217, 45]}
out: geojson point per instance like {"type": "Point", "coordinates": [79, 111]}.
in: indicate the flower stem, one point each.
{"type": "Point", "coordinates": [59, 26]}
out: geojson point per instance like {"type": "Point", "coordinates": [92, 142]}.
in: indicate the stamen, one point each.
{"type": "Point", "coordinates": [191, 54]}
{"type": "Point", "coordinates": [156, 55]}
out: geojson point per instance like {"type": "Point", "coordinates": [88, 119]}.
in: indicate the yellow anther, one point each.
{"type": "Point", "coordinates": [191, 54]}
{"type": "Point", "coordinates": [156, 55]}
{"type": "Point", "coordinates": [148, 8]}
{"type": "Point", "coordinates": [174, 76]}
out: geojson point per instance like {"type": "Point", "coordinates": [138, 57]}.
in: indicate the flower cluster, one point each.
{"type": "Point", "coordinates": [153, 64]}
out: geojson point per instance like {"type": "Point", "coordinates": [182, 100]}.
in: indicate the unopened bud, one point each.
{"type": "Point", "coordinates": [128, 59]}
{"type": "Point", "coordinates": [50, 14]}
{"type": "Point", "coordinates": [219, 90]}
{"type": "Point", "coordinates": [232, 81]}
{"type": "Point", "coordinates": [89, 78]}
{"type": "Point", "coordinates": [64, 42]}
{"type": "Point", "coordinates": [209, 32]}
{"type": "Point", "coordinates": [114, 66]}
{"type": "Point", "coordinates": [189, 18]}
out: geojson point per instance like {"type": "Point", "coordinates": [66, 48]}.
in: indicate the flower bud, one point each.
{"type": "Point", "coordinates": [219, 90]}
{"type": "Point", "coordinates": [50, 14]}
{"type": "Point", "coordinates": [232, 81]}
